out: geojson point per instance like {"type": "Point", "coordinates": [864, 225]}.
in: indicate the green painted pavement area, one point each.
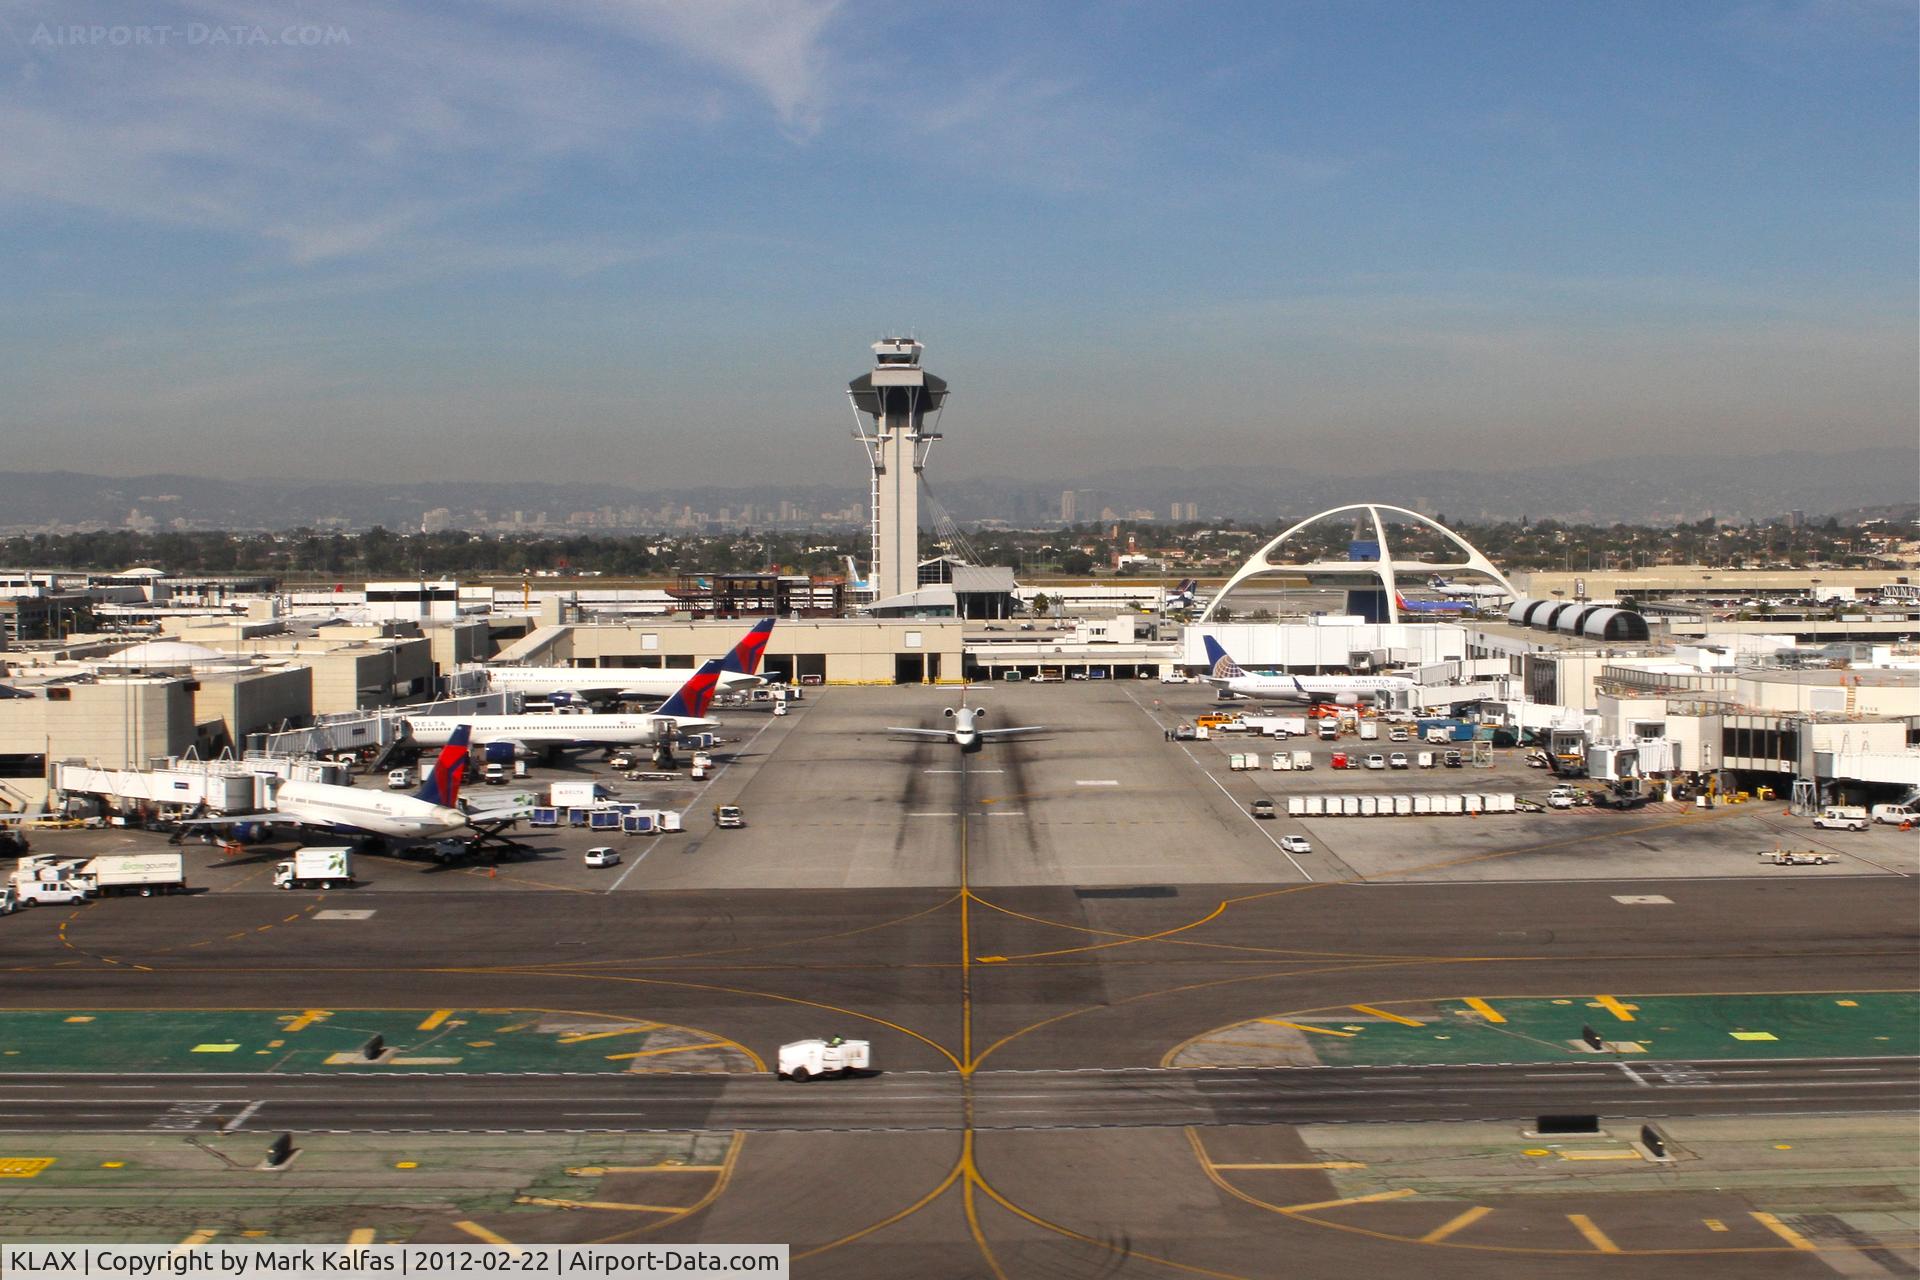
{"type": "Point", "coordinates": [288, 1040]}
{"type": "Point", "coordinates": [1824, 1025]}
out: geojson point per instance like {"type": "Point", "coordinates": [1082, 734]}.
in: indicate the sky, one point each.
{"type": "Point", "coordinates": [643, 242]}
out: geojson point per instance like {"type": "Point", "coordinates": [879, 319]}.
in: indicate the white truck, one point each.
{"type": "Point", "coordinates": [575, 795]}
{"type": "Point", "coordinates": [1276, 726]}
{"type": "Point", "coordinates": [803, 1060]}
{"type": "Point", "coordinates": [1369, 730]}
{"type": "Point", "coordinates": [143, 873]}
{"type": "Point", "coordinates": [324, 868]}
{"type": "Point", "coordinates": [1842, 817]}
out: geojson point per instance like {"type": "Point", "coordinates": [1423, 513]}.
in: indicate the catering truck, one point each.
{"type": "Point", "coordinates": [143, 873]}
{"type": "Point", "coordinates": [315, 868]}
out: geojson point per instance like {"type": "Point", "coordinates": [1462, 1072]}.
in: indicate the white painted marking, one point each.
{"type": "Point", "coordinates": [343, 915]}
{"type": "Point", "coordinates": [1643, 899]}
{"type": "Point", "coordinates": [933, 815]}
{"type": "Point", "coordinates": [630, 870]}
{"type": "Point", "coordinates": [1096, 782]}
{"type": "Point", "coordinates": [1633, 1075]}
{"type": "Point", "coordinates": [1006, 813]}
{"type": "Point", "coordinates": [244, 1116]}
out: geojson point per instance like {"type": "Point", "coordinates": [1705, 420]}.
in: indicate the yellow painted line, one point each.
{"type": "Point", "coordinates": [1785, 1232]}
{"type": "Point", "coordinates": [214, 1048]}
{"type": "Point", "coordinates": [616, 1205]}
{"type": "Point", "coordinates": [1600, 1155]}
{"type": "Point", "coordinates": [1372, 1012]}
{"type": "Point", "coordinates": [599, 1170]}
{"type": "Point", "coordinates": [479, 1232]}
{"type": "Point", "coordinates": [1322, 1164]}
{"type": "Point", "coordinates": [308, 1018]}
{"type": "Point", "coordinates": [360, 1235]}
{"type": "Point", "coordinates": [1595, 1236]}
{"type": "Point", "coordinates": [1714, 1224]}
{"type": "Point", "coordinates": [1612, 1005]}
{"type": "Point", "coordinates": [1335, 1204]}
{"type": "Point", "coordinates": [1305, 1026]}
{"type": "Point", "coordinates": [1484, 1009]}
{"type": "Point", "coordinates": [198, 1239]}
{"type": "Point", "coordinates": [1753, 1035]}
{"type": "Point", "coordinates": [1454, 1224]}
{"type": "Point", "coordinates": [584, 1036]}
{"type": "Point", "coordinates": [678, 1048]}
{"type": "Point", "coordinates": [434, 1019]}
{"type": "Point", "coordinates": [25, 1166]}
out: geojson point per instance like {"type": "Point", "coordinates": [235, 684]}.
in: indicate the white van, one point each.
{"type": "Point", "coordinates": [1895, 814]}
{"type": "Point", "coordinates": [1843, 817]}
{"type": "Point", "coordinates": [32, 893]}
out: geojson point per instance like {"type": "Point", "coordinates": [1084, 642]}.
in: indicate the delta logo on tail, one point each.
{"type": "Point", "coordinates": [696, 695]}
{"type": "Point", "coordinates": [442, 785]}
{"type": "Point", "coordinates": [744, 658]}
{"type": "Point", "coordinates": [1224, 667]}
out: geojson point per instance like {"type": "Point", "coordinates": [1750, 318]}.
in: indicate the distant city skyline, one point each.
{"type": "Point", "coordinates": [647, 243]}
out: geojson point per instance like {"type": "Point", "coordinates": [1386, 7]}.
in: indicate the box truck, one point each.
{"type": "Point", "coordinates": [315, 868]}
{"type": "Point", "coordinates": [143, 873]}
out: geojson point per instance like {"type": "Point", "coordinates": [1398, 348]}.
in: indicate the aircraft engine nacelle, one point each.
{"type": "Point", "coordinates": [1347, 700]}
{"type": "Point", "coordinates": [561, 698]}
{"type": "Point", "coordinates": [249, 832]}
{"type": "Point", "coordinates": [948, 713]}
{"type": "Point", "coordinates": [498, 752]}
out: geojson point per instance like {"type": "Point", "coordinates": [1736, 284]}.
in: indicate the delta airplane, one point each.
{"type": "Point", "coordinates": [431, 811]}
{"type": "Point", "coordinates": [1465, 591]}
{"type": "Point", "coordinates": [503, 737]}
{"type": "Point", "coordinates": [966, 732]}
{"type": "Point", "coordinates": [1454, 607]}
{"type": "Point", "coordinates": [739, 669]}
{"type": "Point", "coordinates": [1344, 691]}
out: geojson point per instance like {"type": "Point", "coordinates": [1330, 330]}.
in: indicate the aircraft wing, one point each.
{"type": "Point", "coordinates": [920, 733]}
{"type": "Point", "coordinates": [1009, 732]}
{"type": "Point", "coordinates": [229, 819]}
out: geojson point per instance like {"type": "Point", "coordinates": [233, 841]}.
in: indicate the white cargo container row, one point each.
{"type": "Point", "coordinates": [1402, 805]}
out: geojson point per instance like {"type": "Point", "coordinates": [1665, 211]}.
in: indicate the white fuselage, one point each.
{"type": "Point", "coordinates": [552, 730]}
{"type": "Point", "coordinates": [377, 812]}
{"type": "Point", "coordinates": [604, 682]}
{"type": "Point", "coordinates": [1311, 689]}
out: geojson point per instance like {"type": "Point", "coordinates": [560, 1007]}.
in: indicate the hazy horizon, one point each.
{"type": "Point", "coordinates": [646, 243]}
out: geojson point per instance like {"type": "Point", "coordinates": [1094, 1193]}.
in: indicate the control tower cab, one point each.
{"type": "Point", "coordinates": [896, 417]}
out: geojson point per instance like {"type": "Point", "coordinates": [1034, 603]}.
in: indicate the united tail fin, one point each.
{"type": "Point", "coordinates": [1224, 667]}
{"type": "Point", "coordinates": [442, 785]}
{"type": "Point", "coordinates": [744, 658]}
{"type": "Point", "coordinates": [696, 695]}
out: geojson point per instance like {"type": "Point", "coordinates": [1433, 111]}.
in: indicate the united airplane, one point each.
{"type": "Point", "coordinates": [1345, 691]}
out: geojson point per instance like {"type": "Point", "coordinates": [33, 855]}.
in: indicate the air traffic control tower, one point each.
{"type": "Point", "coordinates": [896, 411]}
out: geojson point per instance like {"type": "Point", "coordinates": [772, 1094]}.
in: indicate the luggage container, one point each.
{"type": "Point", "coordinates": [1369, 806]}
{"type": "Point", "coordinates": [670, 821]}
{"type": "Point", "coordinates": [1423, 804]}
{"type": "Point", "coordinates": [1402, 806]}
{"type": "Point", "coordinates": [544, 817]}
{"type": "Point", "coordinates": [603, 820]}
{"type": "Point", "coordinates": [1296, 806]}
{"type": "Point", "coordinates": [577, 817]}
{"type": "Point", "coordinates": [1453, 804]}
{"type": "Point", "coordinates": [1472, 803]}
{"type": "Point", "coordinates": [1349, 806]}
{"type": "Point", "coordinates": [1504, 802]}
{"type": "Point", "coordinates": [637, 824]}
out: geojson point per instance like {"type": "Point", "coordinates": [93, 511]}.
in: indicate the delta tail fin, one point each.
{"type": "Point", "coordinates": [442, 785]}
{"type": "Point", "coordinates": [744, 658]}
{"type": "Point", "coordinates": [696, 695]}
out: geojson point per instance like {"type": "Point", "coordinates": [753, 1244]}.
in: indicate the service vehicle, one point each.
{"type": "Point", "coordinates": [400, 780]}
{"type": "Point", "coordinates": [1397, 734]}
{"type": "Point", "coordinates": [1175, 677]}
{"type": "Point", "coordinates": [1437, 734]}
{"type": "Point", "coordinates": [1796, 858]}
{"type": "Point", "coordinates": [602, 856]}
{"type": "Point", "coordinates": [318, 867]}
{"type": "Point", "coordinates": [1369, 731]}
{"type": "Point", "coordinates": [1398, 760]}
{"type": "Point", "coordinates": [143, 873]}
{"type": "Point", "coordinates": [726, 816]}
{"type": "Point", "coordinates": [1303, 759]}
{"type": "Point", "coordinates": [1184, 733]}
{"type": "Point", "coordinates": [1295, 844]}
{"type": "Point", "coordinates": [576, 795]}
{"type": "Point", "coordinates": [1453, 760]}
{"type": "Point", "coordinates": [620, 760]}
{"type": "Point", "coordinates": [1339, 760]}
{"type": "Point", "coordinates": [1562, 798]}
{"type": "Point", "coordinates": [1424, 759]}
{"type": "Point", "coordinates": [1376, 761]}
{"type": "Point", "coordinates": [495, 773]}
{"type": "Point", "coordinates": [1329, 730]}
{"type": "Point", "coordinates": [804, 1060]}
{"type": "Point", "coordinates": [1842, 817]}
{"type": "Point", "coordinates": [9, 901]}
{"type": "Point", "coordinates": [1262, 808]}
{"type": "Point", "coordinates": [32, 893]}
{"type": "Point", "coordinates": [1894, 814]}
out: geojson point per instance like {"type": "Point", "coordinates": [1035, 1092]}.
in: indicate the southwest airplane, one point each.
{"type": "Point", "coordinates": [1454, 607]}
{"type": "Point", "coordinates": [739, 669]}
{"type": "Point", "coordinates": [1345, 691]}
{"type": "Point", "coordinates": [503, 737]}
{"type": "Point", "coordinates": [966, 732]}
{"type": "Point", "coordinates": [429, 812]}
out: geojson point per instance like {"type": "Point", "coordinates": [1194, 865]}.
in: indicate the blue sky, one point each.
{"type": "Point", "coordinates": [649, 242]}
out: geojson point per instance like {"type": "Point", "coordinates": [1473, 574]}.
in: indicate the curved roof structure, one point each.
{"type": "Point", "coordinates": [164, 653]}
{"type": "Point", "coordinates": [1382, 574]}
{"type": "Point", "coordinates": [1574, 618]}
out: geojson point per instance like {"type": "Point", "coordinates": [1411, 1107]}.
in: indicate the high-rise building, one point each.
{"type": "Point", "coordinates": [1067, 508]}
